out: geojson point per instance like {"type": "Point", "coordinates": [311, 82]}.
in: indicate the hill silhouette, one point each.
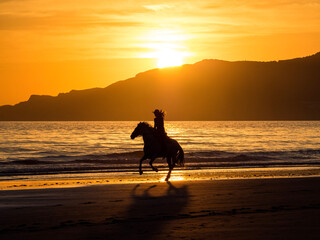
{"type": "Point", "coordinates": [206, 90]}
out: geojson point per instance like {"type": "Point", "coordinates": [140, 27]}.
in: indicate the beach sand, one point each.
{"type": "Point", "coordinates": [87, 179]}
{"type": "Point", "coordinates": [270, 208]}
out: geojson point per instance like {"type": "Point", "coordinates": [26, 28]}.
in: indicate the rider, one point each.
{"type": "Point", "coordinates": [159, 128]}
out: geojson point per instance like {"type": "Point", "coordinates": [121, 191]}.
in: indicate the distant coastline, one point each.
{"type": "Point", "coordinates": [206, 90]}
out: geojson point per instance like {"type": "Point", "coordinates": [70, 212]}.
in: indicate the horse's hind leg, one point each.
{"type": "Point", "coordinates": [140, 165]}
{"type": "Point", "coordinates": [174, 161]}
{"type": "Point", "coordinates": [170, 168]}
{"type": "Point", "coordinates": [169, 174]}
{"type": "Point", "coordinates": [153, 168]}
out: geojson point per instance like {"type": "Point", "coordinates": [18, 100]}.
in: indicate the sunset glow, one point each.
{"type": "Point", "coordinates": [167, 46]}
{"type": "Point", "coordinates": [171, 119]}
{"type": "Point", "coordinates": [54, 47]}
{"type": "Point", "coordinates": [169, 59]}
{"type": "Point", "coordinates": [166, 54]}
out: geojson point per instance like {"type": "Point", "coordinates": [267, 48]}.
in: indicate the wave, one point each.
{"type": "Point", "coordinates": [207, 153]}
{"type": "Point", "coordinates": [128, 161]}
{"type": "Point", "coordinates": [124, 155]}
{"type": "Point", "coordinates": [134, 168]}
{"type": "Point", "coordinates": [15, 149]}
{"type": "Point", "coordinates": [195, 156]}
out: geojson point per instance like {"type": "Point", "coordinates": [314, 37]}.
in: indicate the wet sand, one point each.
{"type": "Point", "coordinates": [87, 179]}
{"type": "Point", "coordinates": [279, 208]}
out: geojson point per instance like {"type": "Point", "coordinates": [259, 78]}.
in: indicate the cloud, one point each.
{"type": "Point", "coordinates": [59, 28]}
{"type": "Point", "coordinates": [59, 20]}
{"type": "Point", "coordinates": [4, 1]}
{"type": "Point", "coordinates": [261, 4]}
{"type": "Point", "coordinates": [159, 7]}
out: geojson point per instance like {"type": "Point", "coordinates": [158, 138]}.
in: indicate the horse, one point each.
{"type": "Point", "coordinates": [152, 148]}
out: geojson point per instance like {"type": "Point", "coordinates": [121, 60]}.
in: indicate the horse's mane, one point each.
{"type": "Point", "coordinates": [145, 124]}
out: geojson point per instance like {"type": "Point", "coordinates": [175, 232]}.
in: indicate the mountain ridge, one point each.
{"type": "Point", "coordinates": [210, 89]}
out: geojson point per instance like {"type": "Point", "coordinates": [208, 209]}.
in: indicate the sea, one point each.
{"type": "Point", "coordinates": [58, 148]}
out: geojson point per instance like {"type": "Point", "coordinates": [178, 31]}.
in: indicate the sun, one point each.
{"type": "Point", "coordinates": [166, 46]}
{"type": "Point", "coordinates": [169, 58]}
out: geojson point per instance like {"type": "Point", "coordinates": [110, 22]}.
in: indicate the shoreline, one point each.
{"type": "Point", "coordinates": [280, 208]}
{"type": "Point", "coordinates": [90, 179]}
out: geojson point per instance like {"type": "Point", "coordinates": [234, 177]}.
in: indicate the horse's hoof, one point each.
{"type": "Point", "coordinates": [167, 179]}
{"type": "Point", "coordinates": [156, 169]}
{"type": "Point", "coordinates": [140, 172]}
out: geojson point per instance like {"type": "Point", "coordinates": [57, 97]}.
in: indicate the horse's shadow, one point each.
{"type": "Point", "coordinates": [149, 215]}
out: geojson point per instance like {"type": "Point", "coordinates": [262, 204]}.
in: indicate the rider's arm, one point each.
{"type": "Point", "coordinates": [155, 123]}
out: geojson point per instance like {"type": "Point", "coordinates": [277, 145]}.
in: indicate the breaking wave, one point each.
{"type": "Point", "coordinates": [128, 161]}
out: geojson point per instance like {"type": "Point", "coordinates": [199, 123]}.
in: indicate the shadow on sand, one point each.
{"type": "Point", "coordinates": [149, 213]}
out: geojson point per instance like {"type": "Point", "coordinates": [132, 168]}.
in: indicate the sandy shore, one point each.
{"type": "Point", "coordinates": [87, 179]}
{"type": "Point", "coordinates": [281, 208]}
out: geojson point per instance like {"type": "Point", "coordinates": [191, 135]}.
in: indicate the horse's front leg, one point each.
{"type": "Point", "coordinates": [170, 169]}
{"type": "Point", "coordinates": [140, 165]}
{"type": "Point", "coordinates": [153, 168]}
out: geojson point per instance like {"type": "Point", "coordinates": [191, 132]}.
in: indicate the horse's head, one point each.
{"type": "Point", "coordinates": [136, 132]}
{"type": "Point", "coordinates": [140, 129]}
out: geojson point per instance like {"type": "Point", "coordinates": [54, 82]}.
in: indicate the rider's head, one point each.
{"type": "Point", "coordinates": [159, 113]}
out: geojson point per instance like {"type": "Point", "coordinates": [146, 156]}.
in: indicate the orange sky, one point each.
{"type": "Point", "coordinates": [52, 46]}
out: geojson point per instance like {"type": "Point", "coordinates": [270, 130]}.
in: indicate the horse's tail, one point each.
{"type": "Point", "coordinates": [180, 157]}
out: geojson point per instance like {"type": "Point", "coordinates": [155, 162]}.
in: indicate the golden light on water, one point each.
{"type": "Point", "coordinates": [174, 179]}
{"type": "Point", "coordinates": [167, 46]}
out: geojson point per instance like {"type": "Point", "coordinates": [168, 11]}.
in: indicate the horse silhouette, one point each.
{"type": "Point", "coordinates": [152, 148]}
